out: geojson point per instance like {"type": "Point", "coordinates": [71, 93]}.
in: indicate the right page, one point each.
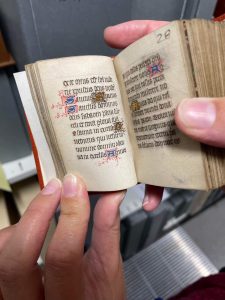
{"type": "Point", "coordinates": [155, 75]}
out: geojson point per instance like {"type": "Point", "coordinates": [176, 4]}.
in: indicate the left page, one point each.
{"type": "Point", "coordinates": [82, 102]}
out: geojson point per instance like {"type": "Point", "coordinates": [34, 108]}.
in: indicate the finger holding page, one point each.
{"type": "Point", "coordinates": [203, 120]}
{"type": "Point", "coordinates": [122, 35]}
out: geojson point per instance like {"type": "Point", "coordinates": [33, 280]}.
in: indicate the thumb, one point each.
{"type": "Point", "coordinates": [203, 120]}
{"type": "Point", "coordinates": [106, 228]}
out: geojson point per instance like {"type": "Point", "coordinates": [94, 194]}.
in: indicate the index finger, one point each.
{"type": "Point", "coordinates": [122, 35]}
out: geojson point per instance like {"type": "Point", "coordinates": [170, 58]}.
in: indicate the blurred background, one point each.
{"type": "Point", "coordinates": [163, 251]}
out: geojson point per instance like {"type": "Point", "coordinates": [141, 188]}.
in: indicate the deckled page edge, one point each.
{"type": "Point", "coordinates": [46, 162]}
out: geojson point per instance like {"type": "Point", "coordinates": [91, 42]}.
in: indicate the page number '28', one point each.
{"type": "Point", "coordinates": [163, 36]}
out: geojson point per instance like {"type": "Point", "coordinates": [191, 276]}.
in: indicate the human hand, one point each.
{"type": "Point", "coordinates": [68, 272]}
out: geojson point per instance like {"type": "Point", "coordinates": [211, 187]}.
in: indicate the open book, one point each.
{"type": "Point", "coordinates": [112, 121]}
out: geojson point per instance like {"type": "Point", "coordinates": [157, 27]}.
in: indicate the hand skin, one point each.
{"type": "Point", "coordinates": [200, 118]}
{"type": "Point", "coordinates": [68, 272]}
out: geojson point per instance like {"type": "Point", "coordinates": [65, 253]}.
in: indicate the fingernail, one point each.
{"type": "Point", "coordinates": [53, 186]}
{"type": "Point", "coordinates": [197, 113]}
{"type": "Point", "coordinates": [69, 186]}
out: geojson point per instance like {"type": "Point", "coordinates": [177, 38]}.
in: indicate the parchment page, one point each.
{"type": "Point", "coordinates": [86, 112]}
{"type": "Point", "coordinates": [154, 79]}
